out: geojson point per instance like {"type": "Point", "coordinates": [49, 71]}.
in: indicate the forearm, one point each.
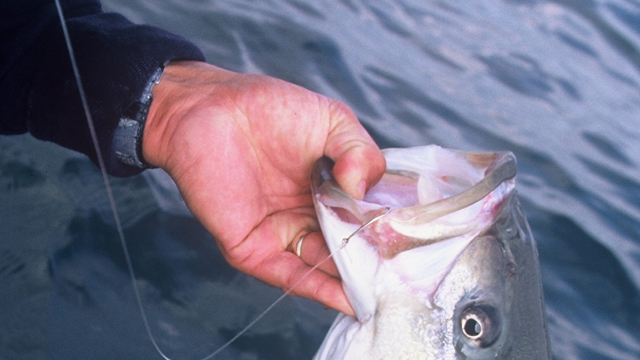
{"type": "Point", "coordinates": [116, 60]}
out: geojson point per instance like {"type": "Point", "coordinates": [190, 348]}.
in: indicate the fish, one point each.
{"type": "Point", "coordinates": [438, 260]}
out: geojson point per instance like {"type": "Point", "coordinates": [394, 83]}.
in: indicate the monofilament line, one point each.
{"type": "Point", "coordinates": [105, 178]}
{"type": "Point", "coordinates": [344, 243]}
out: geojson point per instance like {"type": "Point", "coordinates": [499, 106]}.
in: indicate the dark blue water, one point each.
{"type": "Point", "coordinates": [556, 82]}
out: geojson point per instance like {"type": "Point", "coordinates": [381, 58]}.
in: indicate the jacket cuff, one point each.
{"type": "Point", "coordinates": [127, 140]}
{"type": "Point", "coordinates": [116, 60]}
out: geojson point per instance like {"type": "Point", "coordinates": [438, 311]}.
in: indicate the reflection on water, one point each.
{"type": "Point", "coordinates": [555, 82]}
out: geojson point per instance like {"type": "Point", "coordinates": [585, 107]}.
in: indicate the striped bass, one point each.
{"type": "Point", "coordinates": [441, 265]}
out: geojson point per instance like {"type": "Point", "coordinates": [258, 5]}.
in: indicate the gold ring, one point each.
{"type": "Point", "coordinates": [297, 249]}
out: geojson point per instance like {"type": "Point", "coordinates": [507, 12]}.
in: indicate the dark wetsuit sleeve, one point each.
{"type": "Point", "coordinates": [116, 60]}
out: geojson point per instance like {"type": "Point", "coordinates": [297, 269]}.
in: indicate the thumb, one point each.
{"type": "Point", "coordinates": [359, 163]}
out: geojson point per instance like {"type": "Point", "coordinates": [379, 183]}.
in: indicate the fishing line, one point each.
{"type": "Point", "coordinates": [343, 244]}
{"type": "Point", "coordinates": [123, 242]}
{"type": "Point", "coordinates": [103, 170]}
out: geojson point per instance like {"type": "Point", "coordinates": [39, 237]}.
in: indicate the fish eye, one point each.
{"type": "Point", "coordinates": [480, 325]}
{"type": "Point", "coordinates": [472, 327]}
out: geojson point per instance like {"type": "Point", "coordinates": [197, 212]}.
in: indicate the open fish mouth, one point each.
{"type": "Point", "coordinates": [440, 263]}
{"type": "Point", "coordinates": [420, 213]}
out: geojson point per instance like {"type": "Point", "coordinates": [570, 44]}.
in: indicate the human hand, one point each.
{"type": "Point", "coordinates": [240, 148]}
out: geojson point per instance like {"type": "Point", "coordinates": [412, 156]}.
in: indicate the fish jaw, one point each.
{"type": "Point", "coordinates": [356, 254]}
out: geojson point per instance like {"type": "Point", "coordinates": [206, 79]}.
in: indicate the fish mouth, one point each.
{"type": "Point", "coordinates": [456, 201]}
{"type": "Point", "coordinates": [500, 167]}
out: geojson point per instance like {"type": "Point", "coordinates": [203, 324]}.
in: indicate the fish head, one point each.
{"type": "Point", "coordinates": [492, 296]}
{"type": "Point", "coordinates": [437, 261]}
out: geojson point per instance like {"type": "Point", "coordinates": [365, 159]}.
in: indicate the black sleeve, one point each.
{"type": "Point", "coordinates": [116, 60]}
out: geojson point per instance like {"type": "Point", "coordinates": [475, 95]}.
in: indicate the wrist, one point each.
{"type": "Point", "coordinates": [161, 111]}
{"type": "Point", "coordinates": [129, 133]}
{"type": "Point", "coordinates": [184, 87]}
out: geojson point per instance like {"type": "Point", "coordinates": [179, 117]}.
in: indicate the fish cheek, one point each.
{"type": "Point", "coordinates": [402, 322]}
{"type": "Point", "coordinates": [480, 317]}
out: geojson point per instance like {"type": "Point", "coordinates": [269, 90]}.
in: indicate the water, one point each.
{"type": "Point", "coordinates": [556, 82]}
